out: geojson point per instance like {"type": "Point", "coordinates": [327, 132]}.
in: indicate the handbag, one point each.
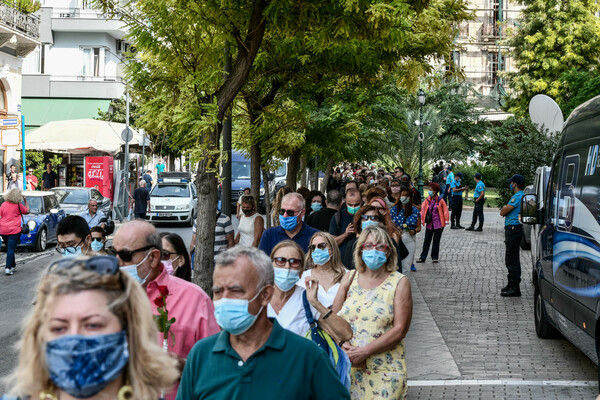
{"type": "Point", "coordinates": [338, 357]}
{"type": "Point", "coordinates": [429, 214]}
{"type": "Point", "coordinates": [24, 226]}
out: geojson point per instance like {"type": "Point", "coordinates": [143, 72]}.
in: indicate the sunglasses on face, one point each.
{"type": "Point", "coordinates": [322, 246]}
{"type": "Point", "coordinates": [369, 218]}
{"type": "Point", "coordinates": [103, 265]}
{"type": "Point", "coordinates": [281, 261]}
{"type": "Point", "coordinates": [127, 255]}
{"type": "Point", "coordinates": [167, 254]}
{"type": "Point", "coordinates": [290, 213]}
{"type": "Point", "coordinates": [97, 239]}
{"type": "Point", "coordinates": [371, 246]}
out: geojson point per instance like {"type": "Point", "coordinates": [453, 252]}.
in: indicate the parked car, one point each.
{"type": "Point", "coordinates": [44, 215]}
{"type": "Point", "coordinates": [74, 200]}
{"type": "Point", "coordinates": [173, 199]}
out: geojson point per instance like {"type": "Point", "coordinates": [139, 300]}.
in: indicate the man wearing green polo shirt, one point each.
{"type": "Point", "coordinates": [254, 357]}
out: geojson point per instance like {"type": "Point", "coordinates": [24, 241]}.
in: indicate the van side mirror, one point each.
{"type": "Point", "coordinates": [270, 176]}
{"type": "Point", "coordinates": [529, 212]}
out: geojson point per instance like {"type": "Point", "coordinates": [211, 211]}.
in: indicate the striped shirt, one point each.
{"type": "Point", "coordinates": [222, 229]}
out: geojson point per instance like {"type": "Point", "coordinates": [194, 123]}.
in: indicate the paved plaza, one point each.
{"type": "Point", "coordinates": [468, 342]}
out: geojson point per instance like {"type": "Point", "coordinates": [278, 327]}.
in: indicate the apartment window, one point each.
{"type": "Point", "coordinates": [3, 102]}
{"type": "Point", "coordinates": [454, 61]}
{"type": "Point", "coordinates": [93, 61]}
{"type": "Point", "coordinates": [494, 68]}
{"type": "Point", "coordinates": [87, 4]}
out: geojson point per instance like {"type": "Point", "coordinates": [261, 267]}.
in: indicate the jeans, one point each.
{"type": "Point", "coordinates": [436, 234]}
{"type": "Point", "coordinates": [512, 241]}
{"type": "Point", "coordinates": [410, 242]}
{"type": "Point", "coordinates": [11, 244]}
{"type": "Point", "coordinates": [457, 204]}
{"type": "Point", "coordinates": [448, 196]}
{"type": "Point", "coordinates": [478, 213]}
{"type": "Point", "coordinates": [141, 216]}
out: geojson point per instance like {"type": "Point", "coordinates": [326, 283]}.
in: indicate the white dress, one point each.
{"type": "Point", "coordinates": [326, 297]}
{"type": "Point", "coordinates": [246, 229]}
{"type": "Point", "coordinates": [292, 316]}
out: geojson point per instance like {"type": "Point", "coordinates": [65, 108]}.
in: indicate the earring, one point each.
{"type": "Point", "coordinates": [125, 393]}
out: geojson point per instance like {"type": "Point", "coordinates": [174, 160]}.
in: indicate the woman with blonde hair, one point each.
{"type": "Point", "coordinates": [376, 301]}
{"type": "Point", "coordinates": [277, 204]}
{"type": "Point", "coordinates": [11, 219]}
{"type": "Point", "coordinates": [91, 335]}
{"type": "Point", "coordinates": [324, 262]}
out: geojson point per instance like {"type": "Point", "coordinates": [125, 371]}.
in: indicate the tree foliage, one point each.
{"type": "Point", "coordinates": [579, 87]}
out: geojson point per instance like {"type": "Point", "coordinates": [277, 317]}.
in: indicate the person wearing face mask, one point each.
{"type": "Point", "coordinates": [394, 195]}
{"type": "Point", "coordinates": [321, 220]}
{"type": "Point", "coordinates": [376, 348]}
{"type": "Point", "coordinates": [407, 219]}
{"type": "Point", "coordinates": [73, 236]}
{"type": "Point", "coordinates": [457, 188]}
{"type": "Point", "coordinates": [139, 250]}
{"type": "Point", "coordinates": [175, 257]}
{"type": "Point", "coordinates": [317, 201]}
{"type": "Point", "coordinates": [434, 216]}
{"type": "Point", "coordinates": [251, 226]}
{"type": "Point", "coordinates": [291, 225]}
{"type": "Point", "coordinates": [11, 219]}
{"type": "Point", "coordinates": [478, 201]}
{"type": "Point", "coordinates": [341, 225]}
{"type": "Point", "coordinates": [256, 357]}
{"type": "Point", "coordinates": [98, 241]}
{"type": "Point", "coordinates": [324, 263]}
{"type": "Point", "coordinates": [513, 230]}
{"type": "Point", "coordinates": [87, 313]}
{"type": "Point", "coordinates": [245, 192]}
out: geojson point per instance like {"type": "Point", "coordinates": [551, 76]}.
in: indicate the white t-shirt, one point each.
{"type": "Point", "coordinates": [246, 229]}
{"type": "Point", "coordinates": [326, 297]}
{"type": "Point", "coordinates": [292, 316]}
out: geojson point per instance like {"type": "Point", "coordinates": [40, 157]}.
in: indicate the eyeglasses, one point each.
{"type": "Point", "coordinates": [97, 239]}
{"type": "Point", "coordinates": [290, 213]}
{"type": "Point", "coordinates": [103, 265]}
{"type": "Point", "coordinates": [294, 262]}
{"type": "Point", "coordinates": [127, 255]}
{"type": "Point", "coordinates": [167, 254]}
{"type": "Point", "coordinates": [322, 246]}
{"type": "Point", "coordinates": [371, 246]}
{"type": "Point", "coordinates": [369, 217]}
{"type": "Point", "coordinates": [68, 249]}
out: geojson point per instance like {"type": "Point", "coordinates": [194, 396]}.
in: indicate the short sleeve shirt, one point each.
{"type": "Point", "coordinates": [449, 178]}
{"type": "Point", "coordinates": [49, 179]}
{"type": "Point", "coordinates": [95, 220]}
{"type": "Point", "coordinates": [512, 218]}
{"type": "Point", "coordinates": [480, 187]}
{"type": "Point", "coordinates": [456, 184]}
{"type": "Point", "coordinates": [141, 196]}
{"type": "Point", "coordinates": [160, 168]}
{"type": "Point", "coordinates": [411, 222]}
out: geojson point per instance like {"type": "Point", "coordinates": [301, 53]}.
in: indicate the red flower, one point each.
{"type": "Point", "coordinates": [163, 290]}
{"type": "Point", "coordinates": [159, 301]}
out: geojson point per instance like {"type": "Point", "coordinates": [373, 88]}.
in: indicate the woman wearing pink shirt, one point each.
{"type": "Point", "coordinates": [11, 212]}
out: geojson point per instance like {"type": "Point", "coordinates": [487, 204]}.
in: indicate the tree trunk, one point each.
{"type": "Point", "coordinates": [255, 161]}
{"type": "Point", "coordinates": [303, 175]}
{"type": "Point", "coordinates": [265, 173]}
{"type": "Point", "coordinates": [171, 162]}
{"type": "Point", "coordinates": [328, 169]}
{"type": "Point", "coordinates": [292, 175]}
{"type": "Point", "coordinates": [314, 184]}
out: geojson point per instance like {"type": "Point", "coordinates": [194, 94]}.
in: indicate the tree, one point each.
{"type": "Point", "coordinates": [554, 36]}
{"type": "Point", "coordinates": [579, 87]}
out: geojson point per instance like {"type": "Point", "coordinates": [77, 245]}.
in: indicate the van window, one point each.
{"type": "Point", "coordinates": [240, 170]}
{"type": "Point", "coordinates": [552, 190]}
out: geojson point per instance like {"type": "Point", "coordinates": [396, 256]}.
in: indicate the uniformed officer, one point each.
{"type": "Point", "coordinates": [513, 230]}
{"type": "Point", "coordinates": [446, 193]}
{"type": "Point", "coordinates": [478, 201]}
{"type": "Point", "coordinates": [457, 201]}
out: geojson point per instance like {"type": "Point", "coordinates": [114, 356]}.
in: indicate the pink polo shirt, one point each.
{"type": "Point", "coordinates": [193, 311]}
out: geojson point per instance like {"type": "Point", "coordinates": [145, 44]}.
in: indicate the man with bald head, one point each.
{"type": "Point", "coordinates": [254, 357]}
{"type": "Point", "coordinates": [138, 247]}
{"type": "Point", "coordinates": [341, 226]}
{"type": "Point", "coordinates": [291, 225]}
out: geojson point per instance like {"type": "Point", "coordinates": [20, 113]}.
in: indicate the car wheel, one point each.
{"type": "Point", "coordinates": [191, 221]}
{"type": "Point", "coordinates": [524, 244]}
{"type": "Point", "coordinates": [41, 240]}
{"type": "Point", "coordinates": [543, 328]}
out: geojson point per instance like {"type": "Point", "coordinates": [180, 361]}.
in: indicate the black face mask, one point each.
{"type": "Point", "coordinates": [248, 212]}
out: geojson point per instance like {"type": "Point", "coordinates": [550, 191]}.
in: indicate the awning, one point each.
{"type": "Point", "coordinates": [39, 112]}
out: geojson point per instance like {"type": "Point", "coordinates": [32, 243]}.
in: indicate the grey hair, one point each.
{"type": "Point", "coordinates": [153, 239]}
{"type": "Point", "coordinates": [142, 182]}
{"type": "Point", "coordinates": [262, 262]}
{"type": "Point", "coordinates": [296, 196]}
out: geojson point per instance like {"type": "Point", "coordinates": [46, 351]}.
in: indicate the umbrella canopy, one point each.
{"type": "Point", "coordinates": [80, 136]}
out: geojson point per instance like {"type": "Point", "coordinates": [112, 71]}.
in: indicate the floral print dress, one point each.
{"type": "Point", "coordinates": [370, 313]}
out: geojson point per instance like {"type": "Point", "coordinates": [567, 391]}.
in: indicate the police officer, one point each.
{"type": "Point", "coordinates": [457, 201]}
{"type": "Point", "coordinates": [513, 230]}
{"type": "Point", "coordinates": [478, 201]}
{"type": "Point", "coordinates": [446, 194]}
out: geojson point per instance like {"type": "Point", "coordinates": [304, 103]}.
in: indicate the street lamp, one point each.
{"type": "Point", "coordinates": [421, 98]}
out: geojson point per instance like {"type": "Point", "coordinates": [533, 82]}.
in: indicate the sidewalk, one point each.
{"type": "Point", "coordinates": [468, 342]}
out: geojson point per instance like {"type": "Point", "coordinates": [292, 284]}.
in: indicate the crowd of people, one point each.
{"type": "Point", "coordinates": [331, 269]}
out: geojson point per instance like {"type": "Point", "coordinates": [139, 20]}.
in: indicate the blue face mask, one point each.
{"type": "Point", "coordinates": [72, 252]}
{"type": "Point", "coordinates": [511, 187]}
{"type": "Point", "coordinates": [320, 256]}
{"type": "Point", "coordinates": [285, 279]}
{"type": "Point", "coordinates": [431, 194]}
{"type": "Point", "coordinates": [374, 259]}
{"type": "Point", "coordinates": [232, 314]}
{"type": "Point", "coordinates": [288, 223]}
{"type": "Point", "coordinates": [132, 271]}
{"type": "Point", "coordinates": [83, 366]}
{"type": "Point", "coordinates": [97, 246]}
{"type": "Point", "coordinates": [366, 224]}
{"type": "Point", "coordinates": [316, 206]}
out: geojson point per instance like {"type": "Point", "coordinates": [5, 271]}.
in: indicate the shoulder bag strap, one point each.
{"type": "Point", "coordinates": [307, 311]}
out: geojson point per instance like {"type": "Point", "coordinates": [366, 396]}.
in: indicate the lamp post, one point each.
{"type": "Point", "coordinates": [421, 98]}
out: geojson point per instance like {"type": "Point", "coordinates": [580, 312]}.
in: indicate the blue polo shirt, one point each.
{"type": "Point", "coordinates": [449, 178]}
{"type": "Point", "coordinates": [456, 184]}
{"type": "Point", "coordinates": [277, 234]}
{"type": "Point", "coordinates": [512, 218]}
{"type": "Point", "coordinates": [480, 187]}
{"type": "Point", "coordinates": [287, 366]}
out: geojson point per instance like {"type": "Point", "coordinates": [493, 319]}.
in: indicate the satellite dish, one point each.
{"type": "Point", "coordinates": [545, 113]}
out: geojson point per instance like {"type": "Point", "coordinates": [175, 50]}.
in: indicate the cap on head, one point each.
{"type": "Point", "coordinates": [459, 174]}
{"type": "Point", "coordinates": [478, 175]}
{"type": "Point", "coordinates": [449, 167]}
{"type": "Point", "coordinates": [518, 179]}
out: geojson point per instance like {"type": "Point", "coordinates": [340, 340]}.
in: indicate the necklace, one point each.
{"type": "Point", "coordinates": [125, 393]}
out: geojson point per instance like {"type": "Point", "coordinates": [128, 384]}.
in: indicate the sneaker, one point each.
{"type": "Point", "coordinates": [420, 260]}
{"type": "Point", "coordinates": [435, 261]}
{"type": "Point", "coordinates": [13, 269]}
{"type": "Point", "coordinates": [413, 268]}
{"type": "Point", "coordinates": [453, 227]}
{"type": "Point", "coordinates": [8, 271]}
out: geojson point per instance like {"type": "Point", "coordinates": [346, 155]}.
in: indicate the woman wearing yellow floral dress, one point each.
{"type": "Point", "coordinates": [377, 302]}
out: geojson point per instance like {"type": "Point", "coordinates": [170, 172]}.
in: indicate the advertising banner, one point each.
{"type": "Point", "coordinates": [99, 174]}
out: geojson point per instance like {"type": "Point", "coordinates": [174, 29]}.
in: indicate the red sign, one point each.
{"type": "Point", "coordinates": [99, 174]}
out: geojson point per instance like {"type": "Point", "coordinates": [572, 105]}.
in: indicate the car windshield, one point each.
{"type": "Point", "coordinates": [281, 171]}
{"type": "Point", "coordinates": [35, 204]}
{"type": "Point", "coordinates": [240, 170]}
{"type": "Point", "coordinates": [66, 196]}
{"type": "Point", "coordinates": [170, 191]}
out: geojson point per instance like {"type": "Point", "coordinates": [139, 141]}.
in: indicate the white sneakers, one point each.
{"type": "Point", "coordinates": [9, 271]}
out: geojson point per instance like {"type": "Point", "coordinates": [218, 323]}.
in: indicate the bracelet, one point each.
{"type": "Point", "coordinates": [327, 314]}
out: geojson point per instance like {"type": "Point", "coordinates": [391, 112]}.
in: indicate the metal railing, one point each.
{"type": "Point", "coordinates": [13, 18]}
{"type": "Point", "coordinates": [81, 13]}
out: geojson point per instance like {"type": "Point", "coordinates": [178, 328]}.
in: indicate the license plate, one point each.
{"type": "Point", "coordinates": [164, 214]}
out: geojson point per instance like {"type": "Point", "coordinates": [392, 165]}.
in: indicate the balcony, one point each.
{"type": "Point", "coordinates": [490, 32]}
{"type": "Point", "coordinates": [19, 31]}
{"type": "Point", "coordinates": [78, 86]}
{"type": "Point", "coordinates": [87, 20]}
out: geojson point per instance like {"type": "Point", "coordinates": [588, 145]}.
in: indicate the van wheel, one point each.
{"type": "Point", "coordinates": [543, 328]}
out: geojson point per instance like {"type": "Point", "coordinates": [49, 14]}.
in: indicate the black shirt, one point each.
{"type": "Point", "coordinates": [321, 219]}
{"type": "Point", "coordinates": [141, 196]}
{"type": "Point", "coordinates": [49, 179]}
{"type": "Point", "coordinates": [336, 229]}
